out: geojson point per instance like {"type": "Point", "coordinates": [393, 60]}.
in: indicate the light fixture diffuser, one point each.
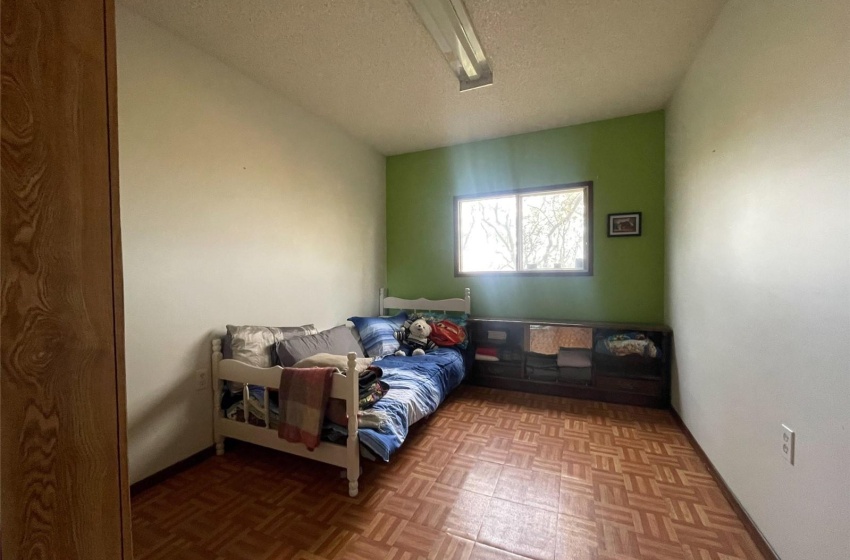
{"type": "Point", "coordinates": [450, 26]}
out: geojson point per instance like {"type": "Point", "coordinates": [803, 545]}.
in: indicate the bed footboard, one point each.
{"type": "Point", "coordinates": [345, 386]}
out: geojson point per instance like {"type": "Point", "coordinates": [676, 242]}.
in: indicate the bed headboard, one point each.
{"type": "Point", "coordinates": [458, 305]}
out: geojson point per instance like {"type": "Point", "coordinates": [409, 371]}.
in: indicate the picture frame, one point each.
{"type": "Point", "coordinates": [625, 224]}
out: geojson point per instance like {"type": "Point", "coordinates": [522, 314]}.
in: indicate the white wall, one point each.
{"type": "Point", "coordinates": [758, 210]}
{"type": "Point", "coordinates": [237, 207]}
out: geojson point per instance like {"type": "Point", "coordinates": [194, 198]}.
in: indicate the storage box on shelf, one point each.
{"type": "Point", "coordinates": [615, 362]}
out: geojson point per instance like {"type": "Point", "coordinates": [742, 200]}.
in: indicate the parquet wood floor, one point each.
{"type": "Point", "coordinates": [491, 475]}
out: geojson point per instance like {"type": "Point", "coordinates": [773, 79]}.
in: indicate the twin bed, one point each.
{"type": "Point", "coordinates": [418, 385]}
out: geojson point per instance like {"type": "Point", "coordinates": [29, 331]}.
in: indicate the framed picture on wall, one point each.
{"type": "Point", "coordinates": [624, 225]}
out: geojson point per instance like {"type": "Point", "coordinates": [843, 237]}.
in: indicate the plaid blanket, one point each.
{"type": "Point", "coordinates": [302, 399]}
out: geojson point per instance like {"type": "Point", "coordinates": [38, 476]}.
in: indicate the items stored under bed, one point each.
{"type": "Point", "coordinates": [408, 389]}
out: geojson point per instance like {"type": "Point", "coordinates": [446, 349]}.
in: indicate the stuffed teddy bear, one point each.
{"type": "Point", "coordinates": [414, 335]}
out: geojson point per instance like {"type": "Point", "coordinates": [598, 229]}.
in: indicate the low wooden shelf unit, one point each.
{"type": "Point", "coordinates": [625, 363]}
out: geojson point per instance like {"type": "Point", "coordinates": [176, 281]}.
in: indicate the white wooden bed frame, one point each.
{"type": "Point", "coordinates": [344, 387]}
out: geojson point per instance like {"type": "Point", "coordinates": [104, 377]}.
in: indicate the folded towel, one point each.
{"type": "Point", "coordinates": [485, 358]}
{"type": "Point", "coordinates": [574, 357]}
{"type": "Point", "coordinates": [303, 397]}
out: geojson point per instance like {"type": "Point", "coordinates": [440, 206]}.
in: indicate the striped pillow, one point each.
{"type": "Point", "coordinates": [377, 333]}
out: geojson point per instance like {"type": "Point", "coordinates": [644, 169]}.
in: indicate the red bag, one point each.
{"type": "Point", "coordinates": [446, 333]}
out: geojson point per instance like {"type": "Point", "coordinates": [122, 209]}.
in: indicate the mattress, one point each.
{"type": "Point", "coordinates": [418, 385]}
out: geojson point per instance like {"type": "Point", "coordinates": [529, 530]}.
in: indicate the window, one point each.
{"type": "Point", "coordinates": [531, 232]}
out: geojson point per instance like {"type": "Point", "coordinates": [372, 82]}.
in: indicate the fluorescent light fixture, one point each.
{"type": "Point", "coordinates": [449, 25]}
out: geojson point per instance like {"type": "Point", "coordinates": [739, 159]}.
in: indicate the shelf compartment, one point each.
{"type": "Point", "coordinates": [545, 368]}
{"type": "Point", "coordinates": [541, 374]}
{"type": "Point", "coordinates": [498, 335]}
{"type": "Point", "coordinates": [548, 339]}
{"type": "Point", "coordinates": [560, 376]}
{"type": "Point", "coordinates": [629, 385]}
{"type": "Point", "coordinates": [511, 370]}
{"type": "Point", "coordinates": [627, 366]}
{"type": "Point", "coordinates": [575, 375]}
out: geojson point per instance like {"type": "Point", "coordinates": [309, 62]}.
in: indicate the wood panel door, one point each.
{"type": "Point", "coordinates": [62, 415]}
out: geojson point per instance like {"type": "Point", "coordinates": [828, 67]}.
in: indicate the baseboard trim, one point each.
{"type": "Point", "coordinates": [173, 470]}
{"type": "Point", "coordinates": [758, 538]}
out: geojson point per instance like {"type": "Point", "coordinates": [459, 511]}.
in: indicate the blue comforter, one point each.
{"type": "Point", "coordinates": [418, 385]}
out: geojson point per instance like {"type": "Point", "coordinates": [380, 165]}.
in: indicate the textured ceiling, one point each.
{"type": "Point", "coordinates": [370, 67]}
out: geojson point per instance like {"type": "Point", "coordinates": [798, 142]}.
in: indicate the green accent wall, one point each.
{"type": "Point", "coordinates": [623, 157]}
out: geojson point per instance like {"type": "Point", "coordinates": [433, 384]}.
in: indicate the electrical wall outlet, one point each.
{"type": "Point", "coordinates": [202, 380]}
{"type": "Point", "coordinates": [788, 444]}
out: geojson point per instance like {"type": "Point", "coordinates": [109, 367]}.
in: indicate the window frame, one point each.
{"type": "Point", "coordinates": [587, 186]}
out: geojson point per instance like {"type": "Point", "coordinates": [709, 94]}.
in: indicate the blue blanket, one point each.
{"type": "Point", "coordinates": [418, 385]}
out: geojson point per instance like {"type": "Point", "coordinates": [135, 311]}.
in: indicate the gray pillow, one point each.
{"type": "Point", "coordinates": [338, 341]}
{"type": "Point", "coordinates": [256, 345]}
